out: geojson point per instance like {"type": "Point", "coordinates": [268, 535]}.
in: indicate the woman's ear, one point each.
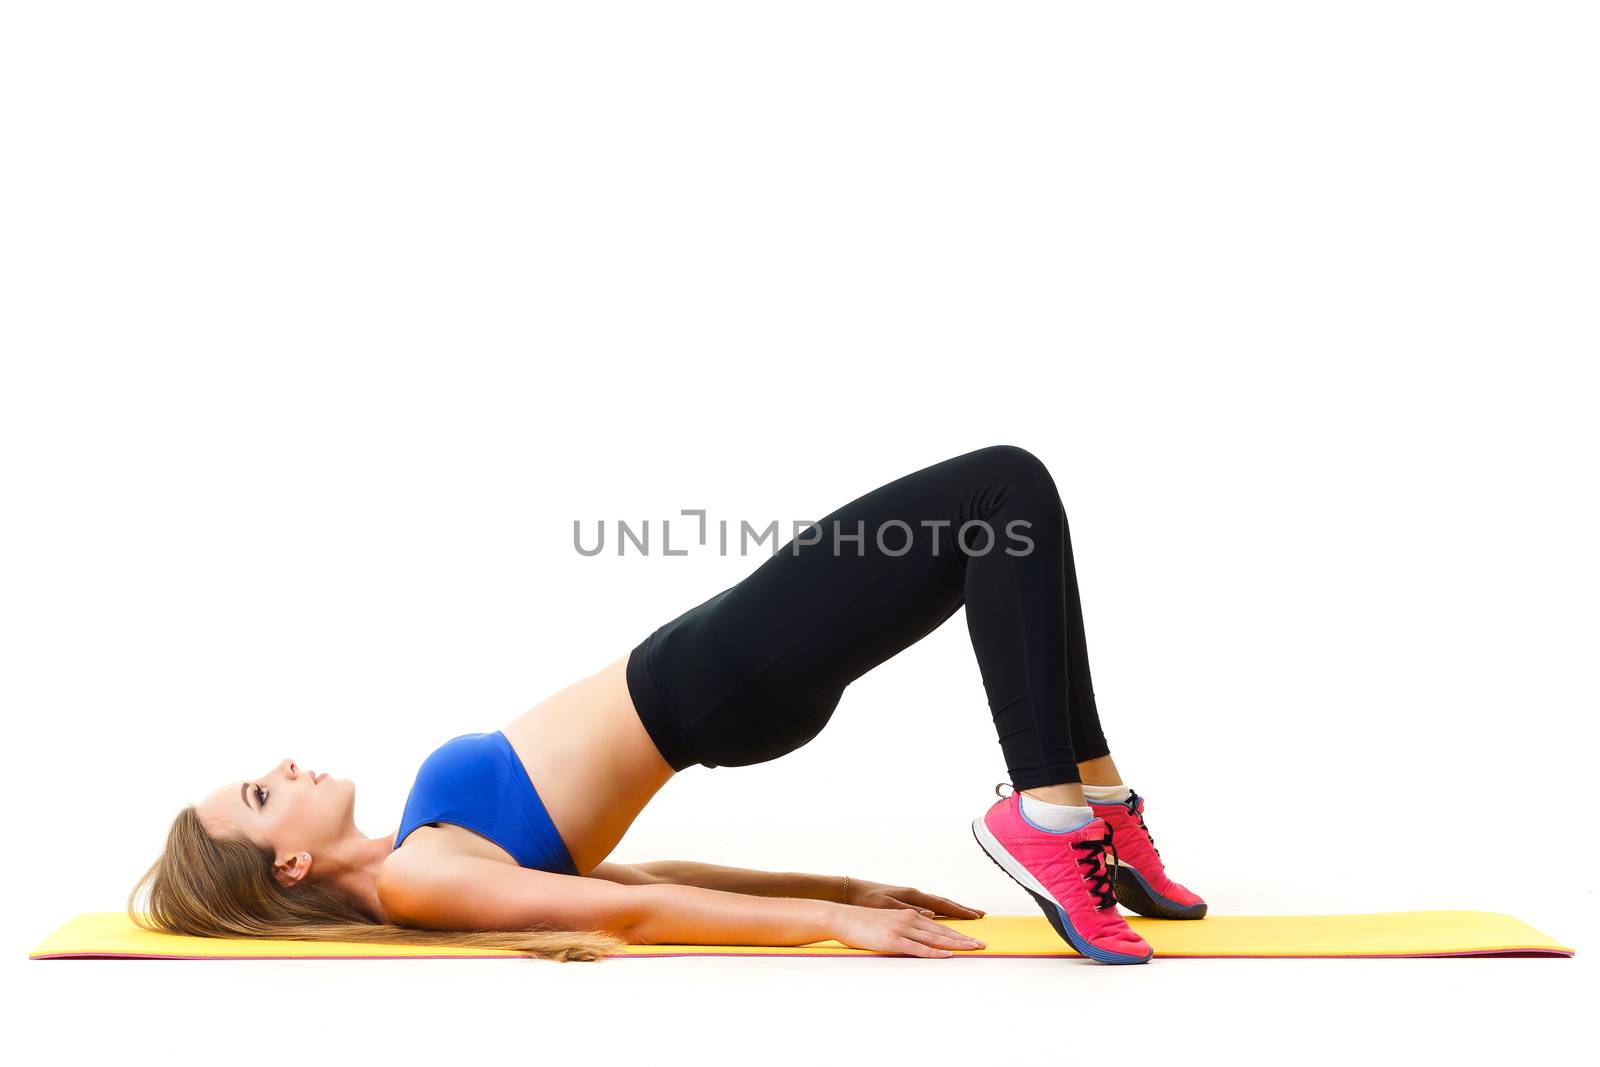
{"type": "Point", "coordinates": [290, 871]}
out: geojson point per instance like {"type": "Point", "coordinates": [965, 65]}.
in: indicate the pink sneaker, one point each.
{"type": "Point", "coordinates": [1141, 882]}
{"type": "Point", "coordinates": [1067, 877]}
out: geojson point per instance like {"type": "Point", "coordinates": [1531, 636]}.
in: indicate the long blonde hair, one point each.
{"type": "Point", "coordinates": [207, 886]}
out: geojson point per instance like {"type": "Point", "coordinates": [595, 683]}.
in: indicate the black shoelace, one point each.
{"type": "Point", "coordinates": [1096, 871]}
{"type": "Point", "coordinates": [1133, 809]}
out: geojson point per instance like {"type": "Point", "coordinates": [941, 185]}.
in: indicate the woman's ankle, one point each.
{"type": "Point", "coordinates": [1102, 771]}
{"type": "Point", "coordinates": [1067, 793]}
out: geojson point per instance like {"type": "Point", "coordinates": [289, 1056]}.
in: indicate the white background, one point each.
{"type": "Point", "coordinates": [323, 322]}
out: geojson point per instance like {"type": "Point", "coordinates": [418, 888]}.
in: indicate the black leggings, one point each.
{"type": "Point", "coordinates": [756, 671]}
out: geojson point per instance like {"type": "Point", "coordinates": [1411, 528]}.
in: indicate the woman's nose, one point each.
{"type": "Point", "coordinates": [289, 768]}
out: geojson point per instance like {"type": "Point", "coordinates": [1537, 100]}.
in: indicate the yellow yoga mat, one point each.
{"type": "Point", "coordinates": [112, 935]}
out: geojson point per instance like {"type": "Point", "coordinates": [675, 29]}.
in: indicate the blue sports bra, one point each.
{"type": "Point", "coordinates": [477, 781]}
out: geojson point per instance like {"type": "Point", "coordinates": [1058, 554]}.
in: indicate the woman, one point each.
{"type": "Point", "coordinates": [505, 835]}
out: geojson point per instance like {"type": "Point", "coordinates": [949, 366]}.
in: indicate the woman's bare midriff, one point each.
{"type": "Point", "coordinates": [595, 768]}
{"type": "Point", "coordinates": [592, 762]}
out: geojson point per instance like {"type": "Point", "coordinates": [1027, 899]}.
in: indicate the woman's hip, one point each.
{"type": "Point", "coordinates": [700, 705]}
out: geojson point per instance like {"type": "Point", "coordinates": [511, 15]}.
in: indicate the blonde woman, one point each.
{"type": "Point", "coordinates": [505, 836]}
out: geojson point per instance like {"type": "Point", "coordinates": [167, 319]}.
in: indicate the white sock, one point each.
{"type": "Point", "coordinates": [1057, 818]}
{"type": "Point", "coordinates": [1106, 794]}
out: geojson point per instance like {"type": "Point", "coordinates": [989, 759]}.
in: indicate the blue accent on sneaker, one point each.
{"type": "Point", "coordinates": [1022, 811]}
{"type": "Point", "coordinates": [1057, 917]}
{"type": "Point", "coordinates": [1065, 928]}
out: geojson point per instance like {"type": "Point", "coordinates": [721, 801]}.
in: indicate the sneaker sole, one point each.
{"type": "Point", "coordinates": [1052, 911]}
{"type": "Point", "coordinates": [1135, 894]}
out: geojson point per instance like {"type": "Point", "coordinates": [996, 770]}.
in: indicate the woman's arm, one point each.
{"type": "Point", "coordinates": [472, 893]}
{"type": "Point", "coordinates": [771, 884]}
{"type": "Point", "coordinates": [452, 891]}
{"type": "Point", "coordinates": [743, 880]}
{"type": "Point", "coordinates": [689, 915]}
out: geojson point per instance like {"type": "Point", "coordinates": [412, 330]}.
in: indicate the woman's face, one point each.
{"type": "Point", "coordinates": [289, 810]}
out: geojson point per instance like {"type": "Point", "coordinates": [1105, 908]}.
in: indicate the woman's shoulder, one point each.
{"type": "Point", "coordinates": [441, 846]}
{"type": "Point", "coordinates": [418, 873]}
{"type": "Point", "coordinates": [401, 885]}
{"type": "Point", "coordinates": [444, 881]}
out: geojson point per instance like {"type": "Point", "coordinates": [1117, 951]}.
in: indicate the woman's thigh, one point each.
{"type": "Point", "coordinates": [876, 576]}
{"type": "Point", "coordinates": [758, 669]}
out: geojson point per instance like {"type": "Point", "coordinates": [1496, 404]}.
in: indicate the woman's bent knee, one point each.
{"type": "Point", "coordinates": [1013, 462]}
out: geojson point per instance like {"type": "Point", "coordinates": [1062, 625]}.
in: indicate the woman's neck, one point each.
{"type": "Point", "coordinates": [352, 869]}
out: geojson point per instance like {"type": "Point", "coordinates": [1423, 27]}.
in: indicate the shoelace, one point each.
{"type": "Point", "coordinates": [1096, 871]}
{"type": "Point", "coordinates": [1133, 809]}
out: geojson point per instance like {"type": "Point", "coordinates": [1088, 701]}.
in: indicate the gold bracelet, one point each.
{"type": "Point", "coordinates": [846, 889]}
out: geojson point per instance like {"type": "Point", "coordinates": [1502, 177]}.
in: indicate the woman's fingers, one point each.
{"type": "Point", "coordinates": [932, 943]}
{"type": "Point", "coordinates": [898, 903]}
{"type": "Point", "coordinates": [956, 943]}
{"type": "Point", "coordinates": [950, 907]}
{"type": "Point", "coordinates": [939, 934]}
{"type": "Point", "coordinates": [922, 922]}
{"type": "Point", "coordinates": [942, 906]}
{"type": "Point", "coordinates": [908, 932]}
{"type": "Point", "coordinates": [927, 902]}
{"type": "Point", "coordinates": [917, 948]}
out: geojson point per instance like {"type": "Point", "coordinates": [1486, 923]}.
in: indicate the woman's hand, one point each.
{"type": "Point", "coordinates": [903, 930]}
{"type": "Point", "coordinates": [878, 895]}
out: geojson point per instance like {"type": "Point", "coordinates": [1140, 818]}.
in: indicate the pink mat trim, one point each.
{"type": "Point", "coordinates": [1504, 952]}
